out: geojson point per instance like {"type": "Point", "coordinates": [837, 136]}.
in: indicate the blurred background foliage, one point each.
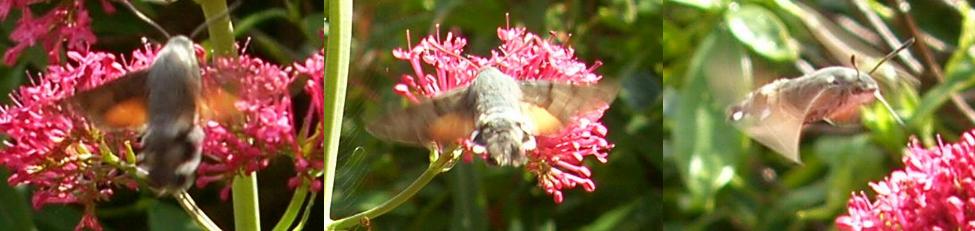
{"type": "Point", "coordinates": [715, 52]}
{"type": "Point", "coordinates": [623, 34]}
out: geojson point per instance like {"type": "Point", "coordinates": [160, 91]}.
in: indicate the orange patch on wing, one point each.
{"type": "Point", "coordinates": [545, 123]}
{"type": "Point", "coordinates": [218, 104]}
{"type": "Point", "coordinates": [450, 127]}
{"type": "Point", "coordinates": [130, 113]}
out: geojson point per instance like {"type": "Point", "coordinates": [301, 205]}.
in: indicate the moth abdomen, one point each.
{"type": "Point", "coordinates": [171, 156]}
{"type": "Point", "coordinates": [502, 130]}
{"type": "Point", "coordinates": [173, 142]}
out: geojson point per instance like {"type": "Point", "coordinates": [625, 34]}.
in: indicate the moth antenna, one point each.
{"type": "Point", "coordinates": [853, 61]}
{"type": "Point", "coordinates": [145, 18]}
{"type": "Point", "coordinates": [892, 53]}
{"type": "Point", "coordinates": [231, 8]}
{"type": "Point", "coordinates": [889, 109]}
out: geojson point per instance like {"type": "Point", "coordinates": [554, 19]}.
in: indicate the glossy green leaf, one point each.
{"type": "Point", "coordinates": [762, 31]}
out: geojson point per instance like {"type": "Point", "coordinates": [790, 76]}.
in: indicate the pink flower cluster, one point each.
{"type": "Point", "coordinates": [934, 191]}
{"type": "Point", "coordinates": [67, 21]}
{"type": "Point", "coordinates": [265, 128]}
{"type": "Point", "coordinates": [56, 150]}
{"type": "Point", "coordinates": [308, 161]}
{"type": "Point", "coordinates": [557, 161]}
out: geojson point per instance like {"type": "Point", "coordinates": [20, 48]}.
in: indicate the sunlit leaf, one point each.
{"type": "Point", "coordinates": [762, 31]}
{"type": "Point", "coordinates": [702, 4]}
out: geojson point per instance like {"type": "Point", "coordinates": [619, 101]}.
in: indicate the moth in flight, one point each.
{"type": "Point", "coordinates": [499, 114]}
{"type": "Point", "coordinates": [165, 102]}
{"type": "Point", "coordinates": [775, 113]}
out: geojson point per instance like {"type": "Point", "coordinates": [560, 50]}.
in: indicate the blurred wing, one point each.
{"type": "Point", "coordinates": [218, 103]}
{"type": "Point", "coordinates": [442, 120]}
{"type": "Point", "coordinates": [119, 104]}
{"type": "Point", "coordinates": [774, 121]}
{"type": "Point", "coordinates": [552, 105]}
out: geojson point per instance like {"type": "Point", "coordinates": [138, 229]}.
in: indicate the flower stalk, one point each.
{"type": "Point", "coordinates": [246, 214]}
{"type": "Point", "coordinates": [444, 161]}
{"type": "Point", "coordinates": [297, 200]}
{"type": "Point", "coordinates": [336, 77]}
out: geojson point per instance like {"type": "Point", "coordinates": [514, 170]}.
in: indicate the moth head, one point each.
{"type": "Point", "coordinates": [504, 140]}
{"type": "Point", "coordinates": [849, 80]}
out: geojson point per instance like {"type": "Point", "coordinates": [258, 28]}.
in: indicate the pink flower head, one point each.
{"type": "Point", "coordinates": [53, 148]}
{"type": "Point", "coordinates": [246, 142]}
{"type": "Point", "coordinates": [934, 191]}
{"type": "Point", "coordinates": [308, 161]}
{"type": "Point", "coordinates": [557, 160]}
{"type": "Point", "coordinates": [67, 21]}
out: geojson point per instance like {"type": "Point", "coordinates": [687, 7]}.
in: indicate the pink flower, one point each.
{"type": "Point", "coordinates": [53, 148]}
{"type": "Point", "coordinates": [68, 21]}
{"type": "Point", "coordinates": [935, 190]}
{"type": "Point", "coordinates": [309, 161]}
{"type": "Point", "coordinates": [557, 161]}
{"type": "Point", "coordinates": [57, 151]}
{"type": "Point", "coordinates": [247, 142]}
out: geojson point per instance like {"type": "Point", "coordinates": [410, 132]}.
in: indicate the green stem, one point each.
{"type": "Point", "coordinates": [336, 77]}
{"type": "Point", "coordinates": [244, 192]}
{"type": "Point", "coordinates": [304, 216]}
{"type": "Point", "coordinates": [220, 29]}
{"type": "Point", "coordinates": [247, 217]}
{"type": "Point", "coordinates": [443, 161]}
{"type": "Point", "coordinates": [189, 205]}
{"type": "Point", "coordinates": [293, 207]}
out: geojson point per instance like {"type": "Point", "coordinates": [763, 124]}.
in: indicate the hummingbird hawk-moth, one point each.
{"type": "Point", "coordinates": [499, 114]}
{"type": "Point", "coordinates": [775, 113]}
{"type": "Point", "coordinates": [164, 102]}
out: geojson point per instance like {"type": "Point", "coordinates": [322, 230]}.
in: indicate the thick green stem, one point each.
{"type": "Point", "coordinates": [336, 76]}
{"type": "Point", "coordinates": [247, 216]}
{"type": "Point", "coordinates": [443, 162]}
{"type": "Point", "coordinates": [220, 29]}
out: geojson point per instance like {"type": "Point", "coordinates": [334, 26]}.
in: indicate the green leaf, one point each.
{"type": "Point", "coordinates": [762, 31]}
{"type": "Point", "coordinates": [57, 217]}
{"type": "Point", "coordinates": [852, 162]}
{"type": "Point", "coordinates": [706, 146]}
{"type": "Point", "coordinates": [711, 5]}
{"type": "Point", "coordinates": [165, 216]}
{"type": "Point", "coordinates": [958, 70]}
{"type": "Point", "coordinates": [15, 214]}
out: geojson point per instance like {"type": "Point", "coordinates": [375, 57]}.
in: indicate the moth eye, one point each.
{"type": "Point", "coordinates": [832, 80]}
{"type": "Point", "coordinates": [736, 113]}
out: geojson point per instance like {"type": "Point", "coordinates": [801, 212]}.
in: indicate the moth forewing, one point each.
{"type": "Point", "coordinates": [565, 101]}
{"type": "Point", "coordinates": [441, 119]}
{"type": "Point", "coordinates": [118, 104]}
{"type": "Point", "coordinates": [775, 114]}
